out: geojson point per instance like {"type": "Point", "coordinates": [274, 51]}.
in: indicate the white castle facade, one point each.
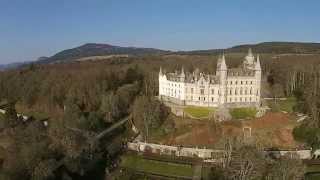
{"type": "Point", "coordinates": [229, 87]}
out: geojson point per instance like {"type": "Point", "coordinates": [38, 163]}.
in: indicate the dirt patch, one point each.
{"type": "Point", "coordinates": [269, 120]}
{"type": "Point", "coordinates": [271, 130]}
{"type": "Point", "coordinates": [284, 138]}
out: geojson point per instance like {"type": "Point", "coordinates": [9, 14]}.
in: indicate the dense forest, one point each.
{"type": "Point", "coordinates": [81, 99]}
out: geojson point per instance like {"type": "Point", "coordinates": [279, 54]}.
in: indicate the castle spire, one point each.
{"type": "Point", "coordinates": [258, 67]}
{"type": "Point", "coordinates": [160, 72]}
{"type": "Point", "coordinates": [182, 71]}
{"type": "Point", "coordinates": [250, 52]}
{"type": "Point", "coordinates": [223, 65]}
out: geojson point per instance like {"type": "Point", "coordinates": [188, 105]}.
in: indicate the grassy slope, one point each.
{"type": "Point", "coordinates": [283, 105]}
{"type": "Point", "coordinates": [198, 112]}
{"type": "Point", "coordinates": [243, 113]}
{"type": "Point", "coordinates": [151, 166]}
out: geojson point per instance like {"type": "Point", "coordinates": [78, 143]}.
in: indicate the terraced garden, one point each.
{"type": "Point", "coordinates": [243, 113]}
{"type": "Point", "coordinates": [198, 112]}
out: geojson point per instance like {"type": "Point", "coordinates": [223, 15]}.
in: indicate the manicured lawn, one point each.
{"type": "Point", "coordinates": [198, 112]}
{"type": "Point", "coordinates": [312, 172]}
{"type": "Point", "coordinates": [313, 168]}
{"type": "Point", "coordinates": [313, 176]}
{"type": "Point", "coordinates": [283, 105]}
{"type": "Point", "coordinates": [243, 113]}
{"type": "Point", "coordinates": [151, 166]}
{"type": "Point", "coordinates": [288, 104]}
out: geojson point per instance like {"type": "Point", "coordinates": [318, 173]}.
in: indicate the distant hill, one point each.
{"type": "Point", "coordinates": [266, 47]}
{"type": "Point", "coordinates": [105, 51]}
{"type": "Point", "coordinates": [12, 65]}
{"type": "Point", "coordinates": [92, 49]}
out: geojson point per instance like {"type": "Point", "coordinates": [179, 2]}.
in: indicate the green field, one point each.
{"type": "Point", "coordinates": [243, 113]}
{"type": "Point", "coordinates": [198, 112]}
{"type": "Point", "coordinates": [151, 166]}
{"type": "Point", "coordinates": [313, 172]}
{"type": "Point", "coordinates": [283, 105]}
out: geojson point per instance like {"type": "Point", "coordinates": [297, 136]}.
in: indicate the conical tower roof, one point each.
{"type": "Point", "coordinates": [223, 65]}
{"type": "Point", "coordinates": [258, 66]}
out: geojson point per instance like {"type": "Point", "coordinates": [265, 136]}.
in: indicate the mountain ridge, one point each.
{"type": "Point", "coordinates": [100, 49]}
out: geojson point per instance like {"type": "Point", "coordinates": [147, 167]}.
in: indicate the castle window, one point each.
{"type": "Point", "coordinates": [212, 91]}
{"type": "Point", "coordinates": [241, 82]}
{"type": "Point", "coordinates": [202, 91]}
{"type": "Point", "coordinates": [230, 92]}
{"type": "Point", "coordinates": [250, 91]}
{"type": "Point", "coordinates": [212, 99]}
{"type": "Point", "coordinates": [199, 98]}
{"type": "Point", "coordinates": [246, 82]}
{"type": "Point", "coordinates": [204, 99]}
{"type": "Point", "coordinates": [230, 82]}
{"type": "Point", "coordinates": [236, 82]}
{"type": "Point", "coordinates": [250, 99]}
{"type": "Point", "coordinates": [240, 99]}
{"type": "Point", "coordinates": [241, 91]}
{"type": "Point", "coordinates": [251, 82]}
{"type": "Point", "coordinates": [236, 91]}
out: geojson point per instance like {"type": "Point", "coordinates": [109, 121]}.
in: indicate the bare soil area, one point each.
{"type": "Point", "coordinates": [271, 130]}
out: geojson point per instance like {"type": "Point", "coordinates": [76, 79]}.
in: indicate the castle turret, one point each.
{"type": "Point", "coordinates": [161, 80]}
{"type": "Point", "coordinates": [182, 75]}
{"type": "Point", "coordinates": [160, 72]}
{"type": "Point", "coordinates": [257, 69]}
{"type": "Point", "coordinates": [222, 73]}
{"type": "Point", "coordinates": [221, 65]}
{"type": "Point", "coordinates": [249, 58]}
{"type": "Point", "coordinates": [257, 66]}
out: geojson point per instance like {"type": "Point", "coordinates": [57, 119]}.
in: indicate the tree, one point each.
{"type": "Point", "coordinates": [110, 106]}
{"type": "Point", "coordinates": [251, 164]}
{"type": "Point", "coordinates": [148, 114]}
{"type": "Point", "coordinates": [10, 118]}
{"type": "Point", "coordinates": [287, 169]}
{"type": "Point", "coordinates": [72, 113]}
{"type": "Point", "coordinates": [44, 170]}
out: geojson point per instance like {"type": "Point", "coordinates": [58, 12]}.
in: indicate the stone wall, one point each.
{"type": "Point", "coordinates": [207, 154]}
{"type": "Point", "coordinates": [301, 154]}
{"type": "Point", "coordinates": [173, 150]}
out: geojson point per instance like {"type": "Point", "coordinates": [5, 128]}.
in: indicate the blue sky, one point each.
{"type": "Point", "coordinates": [34, 28]}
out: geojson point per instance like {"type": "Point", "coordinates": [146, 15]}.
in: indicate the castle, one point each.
{"type": "Point", "coordinates": [229, 87]}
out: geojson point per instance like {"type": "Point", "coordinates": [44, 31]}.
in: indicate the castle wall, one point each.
{"type": "Point", "coordinates": [205, 94]}
{"type": "Point", "coordinates": [240, 90]}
